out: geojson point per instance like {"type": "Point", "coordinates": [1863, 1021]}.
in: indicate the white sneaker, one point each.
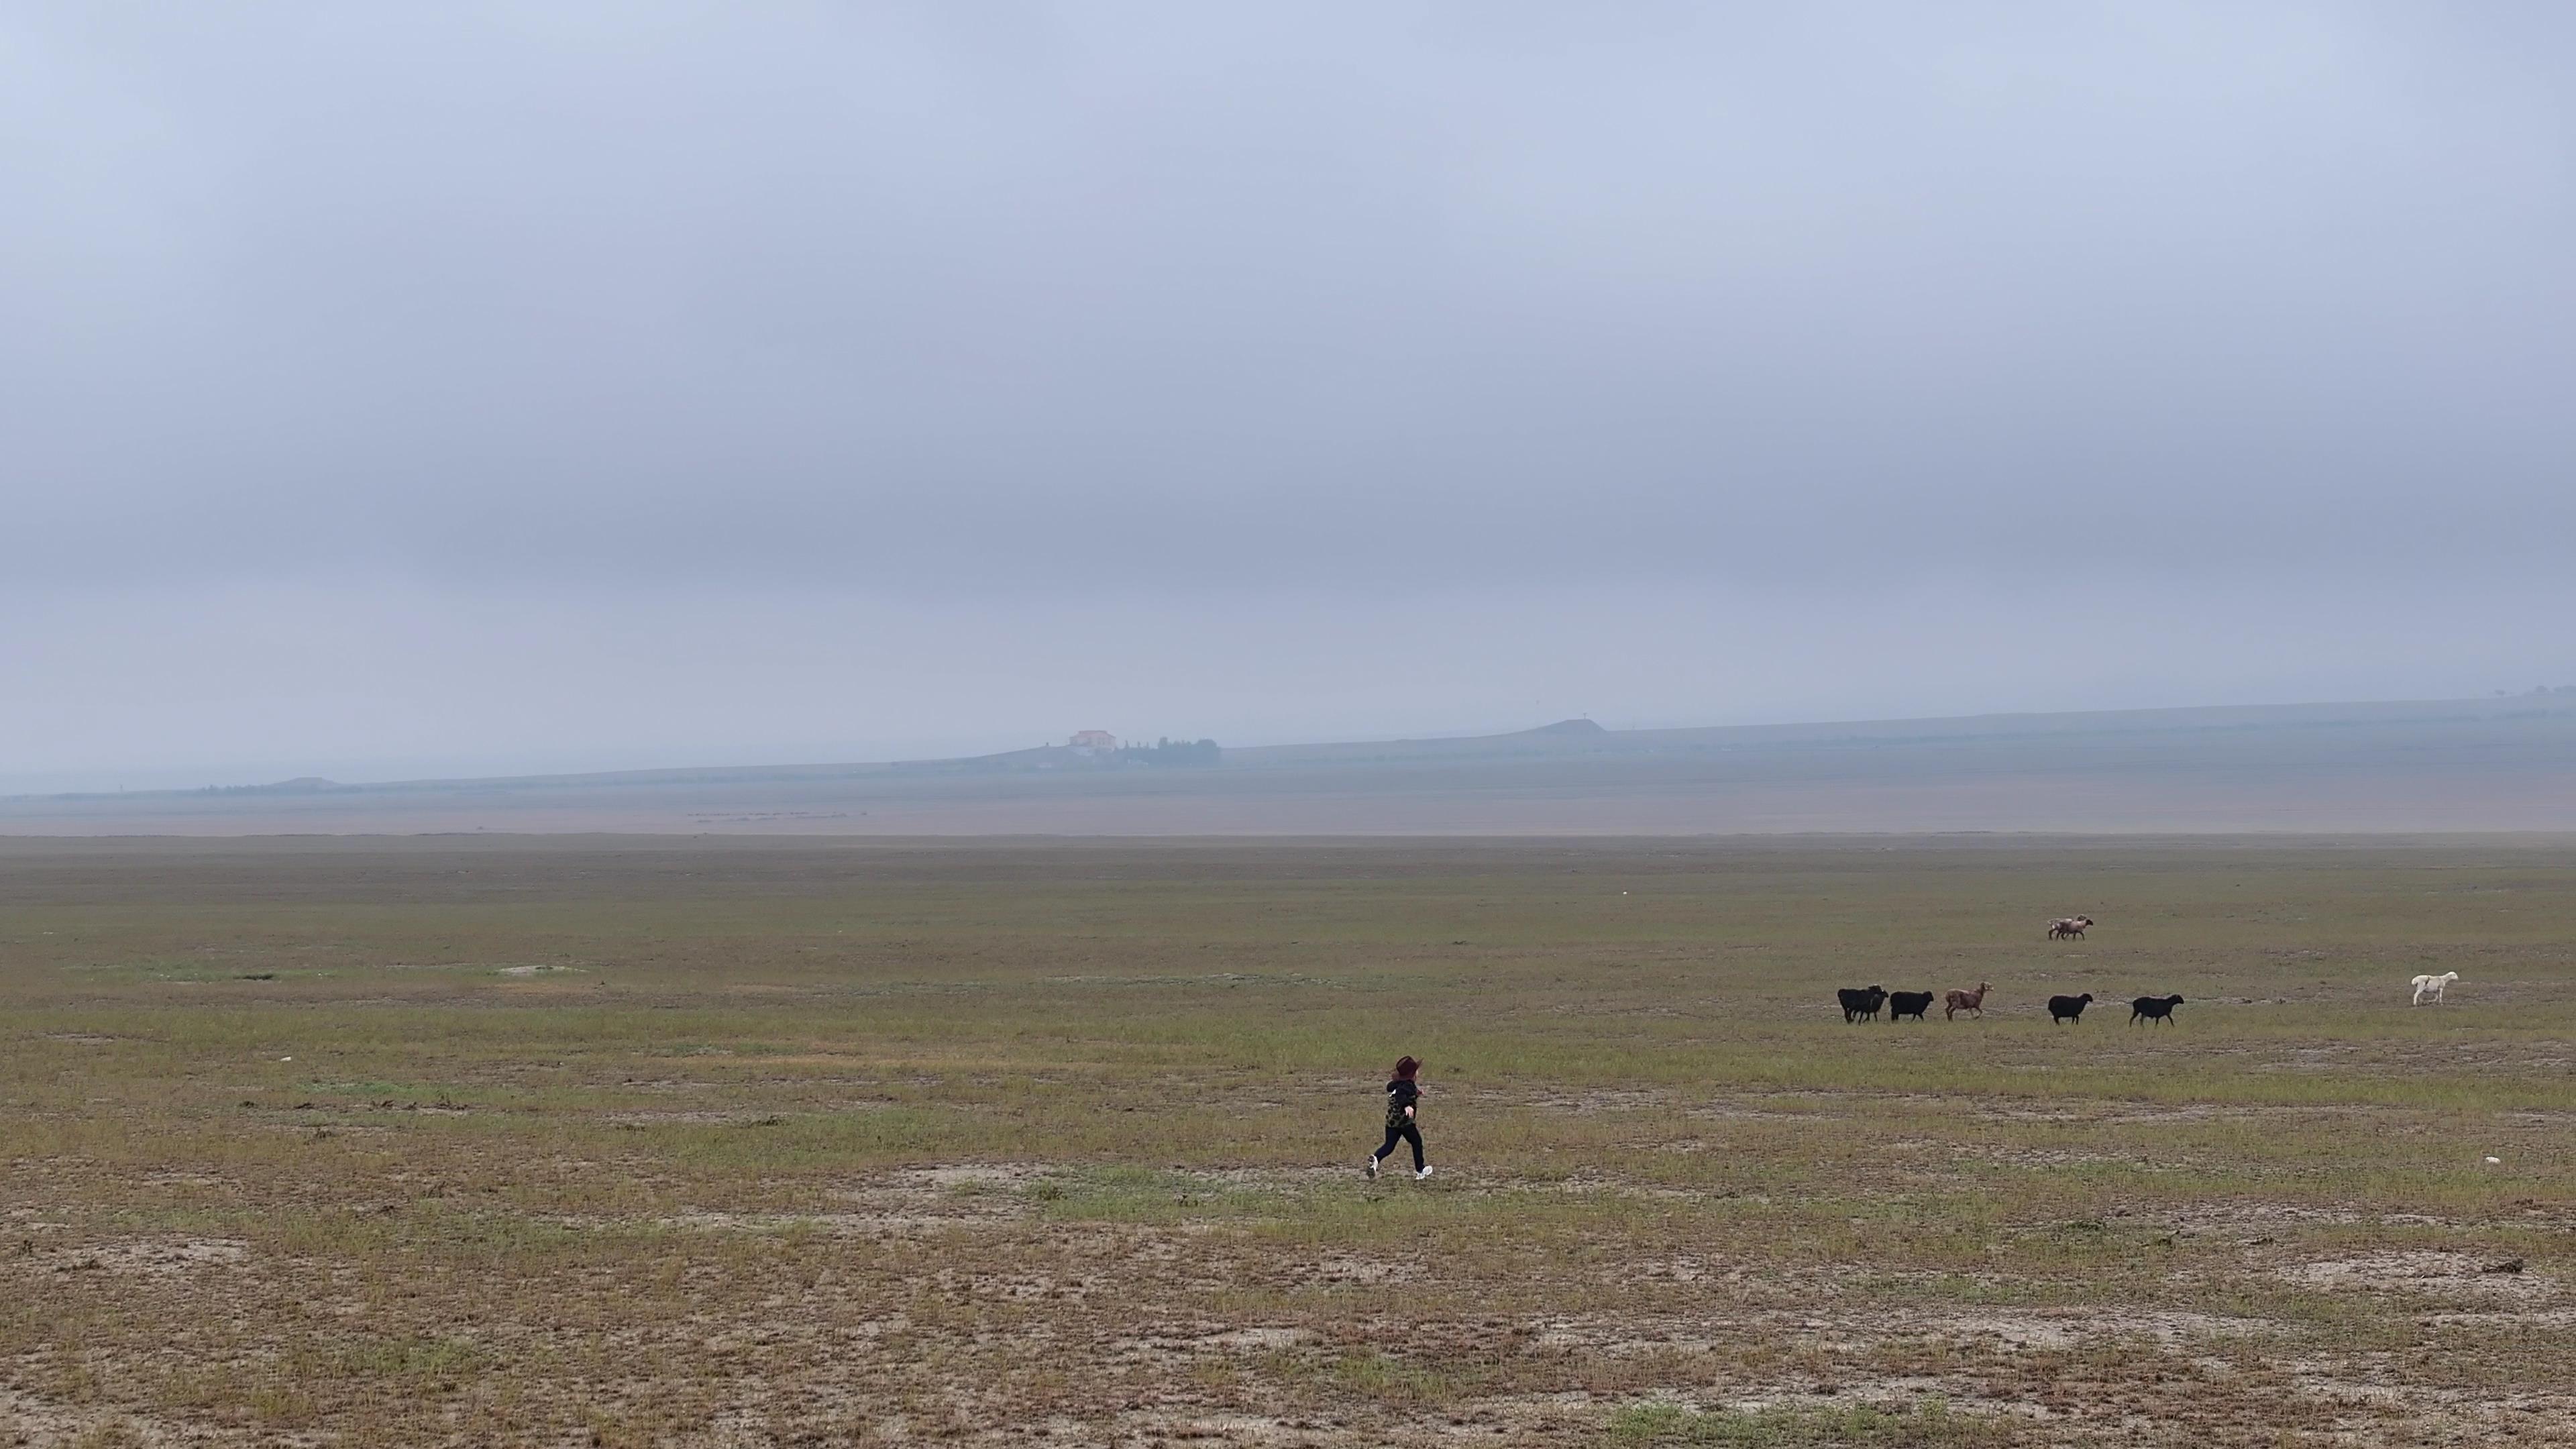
{"type": "Point", "coordinates": [1372, 1168]}
{"type": "Point", "coordinates": [1425, 1172]}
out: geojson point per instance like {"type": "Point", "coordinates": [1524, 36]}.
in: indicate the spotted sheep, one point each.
{"type": "Point", "coordinates": [1959, 1001]}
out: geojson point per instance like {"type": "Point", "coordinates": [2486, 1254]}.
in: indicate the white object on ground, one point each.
{"type": "Point", "coordinates": [2429, 987]}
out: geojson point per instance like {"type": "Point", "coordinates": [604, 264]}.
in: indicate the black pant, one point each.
{"type": "Point", "coordinates": [1405, 1131]}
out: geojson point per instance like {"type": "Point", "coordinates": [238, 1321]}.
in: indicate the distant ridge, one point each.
{"type": "Point", "coordinates": [2496, 764]}
{"type": "Point", "coordinates": [1580, 734]}
{"type": "Point", "coordinates": [1584, 737]}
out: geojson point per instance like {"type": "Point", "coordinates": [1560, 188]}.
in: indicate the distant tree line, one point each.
{"type": "Point", "coordinates": [303, 785]}
{"type": "Point", "coordinates": [1199, 753]}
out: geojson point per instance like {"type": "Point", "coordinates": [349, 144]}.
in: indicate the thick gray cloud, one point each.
{"type": "Point", "coordinates": [388, 388]}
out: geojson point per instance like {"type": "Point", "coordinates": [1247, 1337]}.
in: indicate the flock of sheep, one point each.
{"type": "Point", "coordinates": [1863, 1003]}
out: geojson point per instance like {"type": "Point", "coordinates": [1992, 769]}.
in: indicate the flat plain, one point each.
{"type": "Point", "coordinates": [2454, 766]}
{"type": "Point", "coordinates": [755, 1141]}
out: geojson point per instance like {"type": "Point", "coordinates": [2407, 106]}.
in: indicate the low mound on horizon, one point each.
{"type": "Point", "coordinates": [2504, 764]}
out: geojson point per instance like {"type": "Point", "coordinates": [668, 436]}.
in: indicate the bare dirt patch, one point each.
{"type": "Point", "coordinates": [2428, 1273]}
{"type": "Point", "coordinates": [148, 1257]}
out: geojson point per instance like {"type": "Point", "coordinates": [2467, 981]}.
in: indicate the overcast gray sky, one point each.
{"type": "Point", "coordinates": [401, 389]}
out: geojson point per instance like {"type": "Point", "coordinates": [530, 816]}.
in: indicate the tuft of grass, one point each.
{"type": "Point", "coordinates": [1929, 1425]}
{"type": "Point", "coordinates": [1149, 1195]}
{"type": "Point", "coordinates": [1381, 1375]}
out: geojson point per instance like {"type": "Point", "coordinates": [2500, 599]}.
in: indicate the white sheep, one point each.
{"type": "Point", "coordinates": [2429, 988]}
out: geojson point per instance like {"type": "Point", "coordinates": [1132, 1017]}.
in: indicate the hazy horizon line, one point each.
{"type": "Point", "coordinates": [1459, 733]}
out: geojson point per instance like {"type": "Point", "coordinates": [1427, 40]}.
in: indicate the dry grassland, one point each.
{"type": "Point", "coordinates": [748, 1143]}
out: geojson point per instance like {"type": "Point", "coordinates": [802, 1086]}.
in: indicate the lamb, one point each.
{"type": "Point", "coordinates": [1861, 1004]}
{"type": "Point", "coordinates": [2069, 926]}
{"type": "Point", "coordinates": [2429, 988]}
{"type": "Point", "coordinates": [2068, 1008]}
{"type": "Point", "coordinates": [2153, 1008]}
{"type": "Point", "coordinates": [1902, 1004]}
{"type": "Point", "coordinates": [1959, 1001]}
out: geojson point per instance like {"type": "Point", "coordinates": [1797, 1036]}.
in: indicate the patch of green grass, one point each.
{"type": "Point", "coordinates": [1381, 1375]}
{"type": "Point", "coordinates": [698, 1178]}
{"type": "Point", "coordinates": [1149, 1195]}
{"type": "Point", "coordinates": [1929, 1425]}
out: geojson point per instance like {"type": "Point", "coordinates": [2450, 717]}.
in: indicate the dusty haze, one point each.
{"type": "Point", "coordinates": [471, 389]}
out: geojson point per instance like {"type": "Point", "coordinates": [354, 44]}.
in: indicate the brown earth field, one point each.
{"type": "Point", "coordinates": [815, 1142]}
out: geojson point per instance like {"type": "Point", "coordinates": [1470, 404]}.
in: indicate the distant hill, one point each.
{"type": "Point", "coordinates": [1584, 737]}
{"type": "Point", "coordinates": [2480, 764]}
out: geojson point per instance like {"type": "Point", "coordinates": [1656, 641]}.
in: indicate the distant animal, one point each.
{"type": "Point", "coordinates": [2069, 926]}
{"type": "Point", "coordinates": [2068, 1008]}
{"type": "Point", "coordinates": [2429, 988]}
{"type": "Point", "coordinates": [2153, 1008]}
{"type": "Point", "coordinates": [1959, 1001]}
{"type": "Point", "coordinates": [1902, 1004]}
{"type": "Point", "coordinates": [1861, 1003]}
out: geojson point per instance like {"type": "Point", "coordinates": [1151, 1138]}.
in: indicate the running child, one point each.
{"type": "Point", "coordinates": [1401, 1096]}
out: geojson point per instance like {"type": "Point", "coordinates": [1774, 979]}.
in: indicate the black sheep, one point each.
{"type": "Point", "coordinates": [2153, 1008]}
{"type": "Point", "coordinates": [2068, 1008]}
{"type": "Point", "coordinates": [1902, 1004]}
{"type": "Point", "coordinates": [1861, 1004]}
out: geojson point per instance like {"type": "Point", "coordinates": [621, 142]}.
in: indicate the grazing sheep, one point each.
{"type": "Point", "coordinates": [1861, 1004]}
{"type": "Point", "coordinates": [2068, 1008]}
{"type": "Point", "coordinates": [1902, 1004]}
{"type": "Point", "coordinates": [2069, 926]}
{"type": "Point", "coordinates": [1959, 1001]}
{"type": "Point", "coordinates": [2153, 1008]}
{"type": "Point", "coordinates": [2429, 988]}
